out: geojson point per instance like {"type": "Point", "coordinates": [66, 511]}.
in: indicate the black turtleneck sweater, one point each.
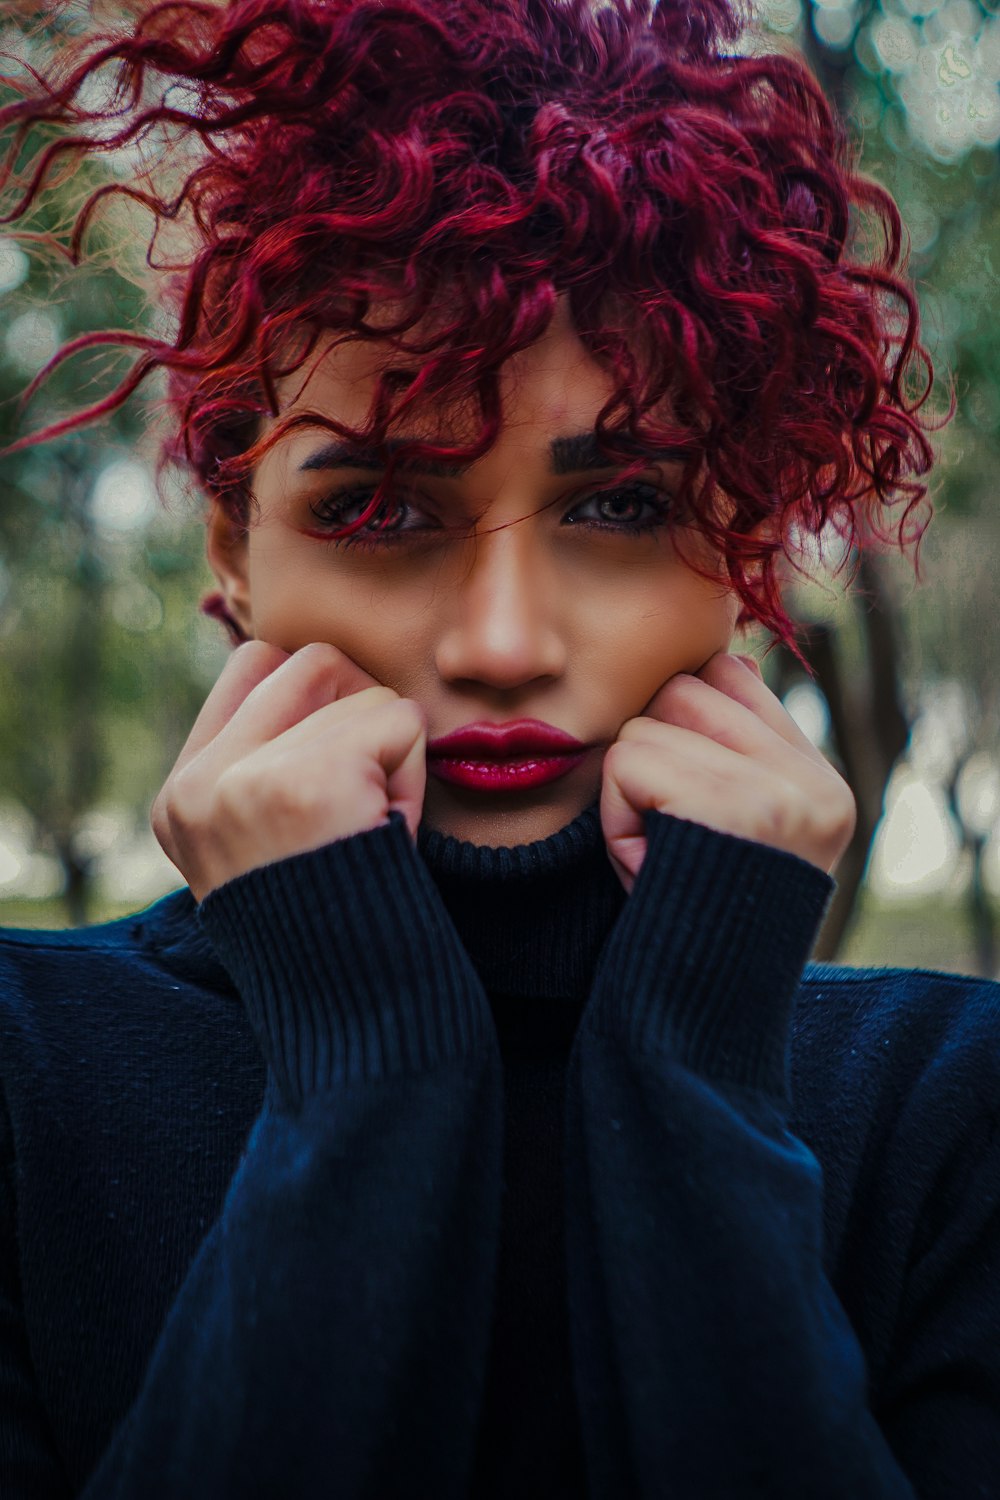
{"type": "Point", "coordinates": [411, 1171]}
{"type": "Point", "coordinates": [533, 920]}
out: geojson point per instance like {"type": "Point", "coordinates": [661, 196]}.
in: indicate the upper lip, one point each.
{"type": "Point", "coordinates": [504, 741]}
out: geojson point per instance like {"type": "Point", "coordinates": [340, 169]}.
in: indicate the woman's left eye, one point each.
{"type": "Point", "coordinates": [625, 505]}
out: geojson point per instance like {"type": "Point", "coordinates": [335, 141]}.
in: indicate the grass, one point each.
{"type": "Point", "coordinates": [52, 913]}
{"type": "Point", "coordinates": [925, 934]}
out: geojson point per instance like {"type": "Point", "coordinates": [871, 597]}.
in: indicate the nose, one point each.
{"type": "Point", "coordinates": [503, 626]}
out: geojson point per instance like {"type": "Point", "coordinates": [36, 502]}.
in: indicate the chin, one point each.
{"type": "Point", "coordinates": [500, 820]}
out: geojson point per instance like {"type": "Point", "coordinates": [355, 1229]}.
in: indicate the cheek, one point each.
{"type": "Point", "coordinates": [294, 599]}
{"type": "Point", "coordinates": [297, 599]}
{"type": "Point", "coordinates": [676, 628]}
{"type": "Point", "coordinates": [287, 612]}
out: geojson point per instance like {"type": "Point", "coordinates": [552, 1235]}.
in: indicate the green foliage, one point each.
{"type": "Point", "coordinates": [104, 660]}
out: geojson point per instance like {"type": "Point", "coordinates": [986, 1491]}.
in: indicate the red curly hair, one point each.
{"type": "Point", "coordinates": [476, 160]}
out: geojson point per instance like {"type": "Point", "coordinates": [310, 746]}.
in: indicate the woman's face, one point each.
{"type": "Point", "coordinates": [572, 615]}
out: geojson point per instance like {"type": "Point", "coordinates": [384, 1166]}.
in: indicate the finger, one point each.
{"type": "Point", "coordinates": [751, 662]}
{"type": "Point", "coordinates": [406, 781]}
{"type": "Point", "coordinates": [689, 777]}
{"type": "Point", "coordinates": [705, 782]}
{"type": "Point", "coordinates": [350, 712]}
{"type": "Point", "coordinates": [727, 701]}
{"type": "Point", "coordinates": [725, 672]}
{"type": "Point", "coordinates": [712, 717]}
{"type": "Point", "coordinates": [304, 682]}
{"type": "Point", "coordinates": [245, 668]}
{"type": "Point", "coordinates": [352, 767]}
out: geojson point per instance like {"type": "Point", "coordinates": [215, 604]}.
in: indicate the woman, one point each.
{"type": "Point", "coordinates": [472, 1122]}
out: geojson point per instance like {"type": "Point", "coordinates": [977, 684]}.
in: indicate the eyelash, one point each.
{"type": "Point", "coordinates": [371, 541]}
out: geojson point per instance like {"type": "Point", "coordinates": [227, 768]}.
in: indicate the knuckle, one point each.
{"type": "Point", "coordinates": [189, 807]}
{"type": "Point", "coordinates": [788, 815]}
{"type": "Point", "coordinates": [683, 684]}
{"type": "Point", "coordinates": [833, 797]}
{"type": "Point", "coordinates": [325, 674]}
{"type": "Point", "coordinates": [159, 818]}
{"type": "Point", "coordinates": [779, 818]}
{"type": "Point", "coordinates": [844, 809]}
{"type": "Point", "coordinates": [313, 674]}
{"type": "Point", "coordinates": [727, 667]}
{"type": "Point", "coordinates": [232, 794]}
{"type": "Point", "coordinates": [255, 653]}
{"type": "Point", "coordinates": [321, 664]}
{"type": "Point", "coordinates": [379, 694]}
{"type": "Point", "coordinates": [319, 654]}
{"type": "Point", "coordinates": [409, 708]}
{"type": "Point", "coordinates": [619, 752]}
{"type": "Point", "coordinates": [631, 729]}
{"type": "Point", "coordinates": [680, 695]}
{"type": "Point", "coordinates": [641, 731]}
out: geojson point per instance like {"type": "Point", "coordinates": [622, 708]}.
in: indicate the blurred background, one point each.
{"type": "Point", "coordinates": [105, 659]}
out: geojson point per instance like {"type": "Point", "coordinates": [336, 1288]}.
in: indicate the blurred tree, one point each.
{"type": "Point", "coordinates": [86, 645]}
{"type": "Point", "coordinates": [869, 722]}
{"type": "Point", "coordinates": [50, 749]}
{"type": "Point", "coordinates": [872, 707]}
{"type": "Point", "coordinates": [957, 641]}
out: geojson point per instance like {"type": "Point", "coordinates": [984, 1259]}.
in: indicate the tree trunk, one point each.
{"type": "Point", "coordinates": [977, 903]}
{"type": "Point", "coordinates": [77, 884]}
{"type": "Point", "coordinates": [84, 689]}
{"type": "Point", "coordinates": [981, 912]}
{"type": "Point", "coordinates": [869, 729]}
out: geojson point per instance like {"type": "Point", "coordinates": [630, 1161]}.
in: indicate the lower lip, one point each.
{"type": "Point", "coordinates": [505, 775]}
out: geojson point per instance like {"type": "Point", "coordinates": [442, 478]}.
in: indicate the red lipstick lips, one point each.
{"type": "Point", "coordinates": [504, 757]}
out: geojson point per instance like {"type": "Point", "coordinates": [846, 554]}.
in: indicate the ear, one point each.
{"type": "Point", "coordinates": [227, 551]}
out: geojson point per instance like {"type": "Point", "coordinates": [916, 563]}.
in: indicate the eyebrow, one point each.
{"type": "Point", "coordinates": [567, 455]}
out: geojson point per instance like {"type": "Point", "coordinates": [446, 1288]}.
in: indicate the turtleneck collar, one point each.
{"type": "Point", "coordinates": [534, 917]}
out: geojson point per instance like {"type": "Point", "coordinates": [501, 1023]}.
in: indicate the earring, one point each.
{"type": "Point", "coordinates": [214, 605]}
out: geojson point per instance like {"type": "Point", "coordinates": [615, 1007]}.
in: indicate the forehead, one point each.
{"type": "Point", "coordinates": [551, 393]}
{"type": "Point", "coordinates": [550, 384]}
{"type": "Point", "coordinates": [542, 386]}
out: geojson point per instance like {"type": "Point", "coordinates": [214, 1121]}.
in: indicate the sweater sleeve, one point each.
{"type": "Point", "coordinates": [331, 1334]}
{"type": "Point", "coordinates": [711, 1350]}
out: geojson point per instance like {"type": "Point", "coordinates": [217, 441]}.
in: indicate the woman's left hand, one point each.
{"type": "Point", "coordinates": [718, 748]}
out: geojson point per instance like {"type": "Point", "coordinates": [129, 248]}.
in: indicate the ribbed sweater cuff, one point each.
{"type": "Point", "coordinates": [348, 963]}
{"type": "Point", "coordinates": [705, 959]}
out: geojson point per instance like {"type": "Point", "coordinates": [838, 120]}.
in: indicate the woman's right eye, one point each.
{"type": "Point", "coordinates": [344, 506]}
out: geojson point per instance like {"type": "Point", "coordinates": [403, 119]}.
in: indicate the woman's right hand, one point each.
{"type": "Point", "coordinates": [288, 753]}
